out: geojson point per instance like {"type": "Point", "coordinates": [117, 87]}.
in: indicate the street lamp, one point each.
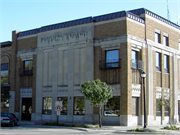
{"type": "Point", "coordinates": [143, 75]}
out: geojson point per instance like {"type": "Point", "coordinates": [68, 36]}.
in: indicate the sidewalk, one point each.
{"type": "Point", "coordinates": [114, 129]}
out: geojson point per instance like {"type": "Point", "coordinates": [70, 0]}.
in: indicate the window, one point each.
{"type": "Point", "coordinates": [166, 63]}
{"type": "Point", "coordinates": [4, 73]}
{"type": "Point", "coordinates": [179, 46]}
{"type": "Point", "coordinates": [134, 59]}
{"type": "Point", "coordinates": [79, 105]}
{"type": "Point", "coordinates": [112, 58]}
{"type": "Point", "coordinates": [165, 40]}
{"type": "Point", "coordinates": [28, 67]}
{"type": "Point", "coordinates": [65, 103]}
{"type": "Point", "coordinates": [166, 111]}
{"type": "Point", "coordinates": [47, 105]}
{"type": "Point", "coordinates": [112, 108]}
{"type": "Point", "coordinates": [158, 60]}
{"type": "Point", "coordinates": [158, 108]}
{"type": "Point", "coordinates": [157, 37]}
{"type": "Point", "coordinates": [135, 106]}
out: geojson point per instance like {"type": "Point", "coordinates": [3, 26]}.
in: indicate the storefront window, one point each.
{"type": "Point", "coordinates": [135, 105]}
{"type": "Point", "coordinates": [112, 108]}
{"type": "Point", "coordinates": [4, 73]}
{"type": "Point", "coordinates": [79, 105]}
{"type": "Point", "coordinates": [47, 105]}
{"type": "Point", "coordinates": [64, 103]}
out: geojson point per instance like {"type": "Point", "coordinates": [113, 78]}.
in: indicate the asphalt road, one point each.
{"type": "Point", "coordinates": [25, 130]}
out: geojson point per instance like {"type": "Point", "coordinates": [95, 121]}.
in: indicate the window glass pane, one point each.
{"type": "Point", "coordinates": [47, 105]}
{"type": "Point", "coordinates": [157, 59]}
{"type": "Point", "coordinates": [158, 108]}
{"type": "Point", "coordinates": [4, 73]}
{"type": "Point", "coordinates": [157, 37]}
{"type": "Point", "coordinates": [112, 58]}
{"type": "Point", "coordinates": [165, 40]}
{"type": "Point", "coordinates": [112, 108]}
{"type": "Point", "coordinates": [135, 105]}
{"type": "Point", "coordinates": [165, 63]}
{"type": "Point", "coordinates": [79, 105]}
{"type": "Point", "coordinates": [4, 67]}
{"type": "Point", "coordinates": [65, 103]}
{"type": "Point", "coordinates": [134, 59]}
{"type": "Point", "coordinates": [28, 65]}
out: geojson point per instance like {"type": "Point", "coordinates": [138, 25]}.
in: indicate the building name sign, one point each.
{"type": "Point", "coordinates": [68, 37]}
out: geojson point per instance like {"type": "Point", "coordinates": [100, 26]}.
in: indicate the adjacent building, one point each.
{"type": "Point", "coordinates": [49, 63]}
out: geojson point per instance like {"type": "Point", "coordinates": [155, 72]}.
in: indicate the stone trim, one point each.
{"type": "Point", "coordinates": [26, 92]}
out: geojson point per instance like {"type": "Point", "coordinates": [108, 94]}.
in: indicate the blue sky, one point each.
{"type": "Point", "coordinates": [24, 15]}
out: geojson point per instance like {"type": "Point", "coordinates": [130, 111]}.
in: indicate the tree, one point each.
{"type": "Point", "coordinates": [98, 93]}
{"type": "Point", "coordinates": [165, 101]}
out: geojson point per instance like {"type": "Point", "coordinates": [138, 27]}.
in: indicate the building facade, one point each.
{"type": "Point", "coordinates": [5, 73]}
{"type": "Point", "coordinates": [49, 64]}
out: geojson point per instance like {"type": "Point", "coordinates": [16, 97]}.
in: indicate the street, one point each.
{"type": "Point", "coordinates": [35, 130]}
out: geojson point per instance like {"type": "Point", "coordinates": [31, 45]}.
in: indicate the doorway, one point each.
{"type": "Point", "coordinates": [26, 108]}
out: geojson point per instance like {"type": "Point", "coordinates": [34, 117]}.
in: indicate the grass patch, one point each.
{"type": "Point", "coordinates": [142, 130]}
{"type": "Point", "coordinates": [173, 128]}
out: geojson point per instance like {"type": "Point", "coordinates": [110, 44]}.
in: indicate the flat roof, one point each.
{"type": "Point", "coordinates": [133, 14]}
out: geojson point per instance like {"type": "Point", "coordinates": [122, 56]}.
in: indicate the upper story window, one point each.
{"type": "Point", "coordinates": [157, 37]}
{"type": "Point", "coordinates": [158, 62]}
{"type": "Point", "coordinates": [112, 58]}
{"type": "Point", "coordinates": [165, 40]}
{"type": "Point", "coordinates": [134, 59]}
{"type": "Point", "coordinates": [166, 63]}
{"type": "Point", "coordinates": [4, 73]}
{"type": "Point", "coordinates": [28, 67]}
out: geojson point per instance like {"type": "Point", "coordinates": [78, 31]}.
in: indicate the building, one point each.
{"type": "Point", "coordinates": [49, 64]}
{"type": "Point", "coordinates": [5, 73]}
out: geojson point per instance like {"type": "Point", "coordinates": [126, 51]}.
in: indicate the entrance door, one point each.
{"type": "Point", "coordinates": [26, 108]}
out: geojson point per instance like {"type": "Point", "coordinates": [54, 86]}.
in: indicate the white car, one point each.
{"type": "Point", "coordinates": [108, 113]}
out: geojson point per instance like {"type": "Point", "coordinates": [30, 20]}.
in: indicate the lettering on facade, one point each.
{"type": "Point", "coordinates": [58, 37]}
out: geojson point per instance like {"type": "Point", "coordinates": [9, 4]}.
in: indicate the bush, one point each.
{"type": "Point", "coordinates": [167, 127]}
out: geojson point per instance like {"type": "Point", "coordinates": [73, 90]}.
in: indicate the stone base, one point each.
{"type": "Point", "coordinates": [128, 120]}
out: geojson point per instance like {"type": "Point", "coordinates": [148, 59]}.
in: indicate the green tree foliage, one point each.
{"type": "Point", "coordinates": [98, 93]}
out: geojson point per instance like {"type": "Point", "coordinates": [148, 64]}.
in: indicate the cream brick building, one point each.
{"type": "Point", "coordinates": [49, 63]}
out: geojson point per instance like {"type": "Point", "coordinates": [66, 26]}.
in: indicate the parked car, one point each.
{"type": "Point", "coordinates": [108, 113]}
{"type": "Point", "coordinates": [9, 119]}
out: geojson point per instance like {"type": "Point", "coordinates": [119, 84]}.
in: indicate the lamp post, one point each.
{"type": "Point", "coordinates": [143, 75]}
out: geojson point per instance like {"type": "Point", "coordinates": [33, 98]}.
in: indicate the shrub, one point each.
{"type": "Point", "coordinates": [167, 127]}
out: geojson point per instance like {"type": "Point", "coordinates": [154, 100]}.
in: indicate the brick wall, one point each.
{"type": "Point", "coordinates": [110, 29]}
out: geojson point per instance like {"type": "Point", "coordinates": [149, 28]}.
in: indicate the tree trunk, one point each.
{"type": "Point", "coordinates": [100, 123]}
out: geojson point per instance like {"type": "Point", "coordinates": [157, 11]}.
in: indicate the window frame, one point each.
{"type": "Point", "coordinates": [134, 59]}
{"type": "Point", "coordinates": [46, 111]}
